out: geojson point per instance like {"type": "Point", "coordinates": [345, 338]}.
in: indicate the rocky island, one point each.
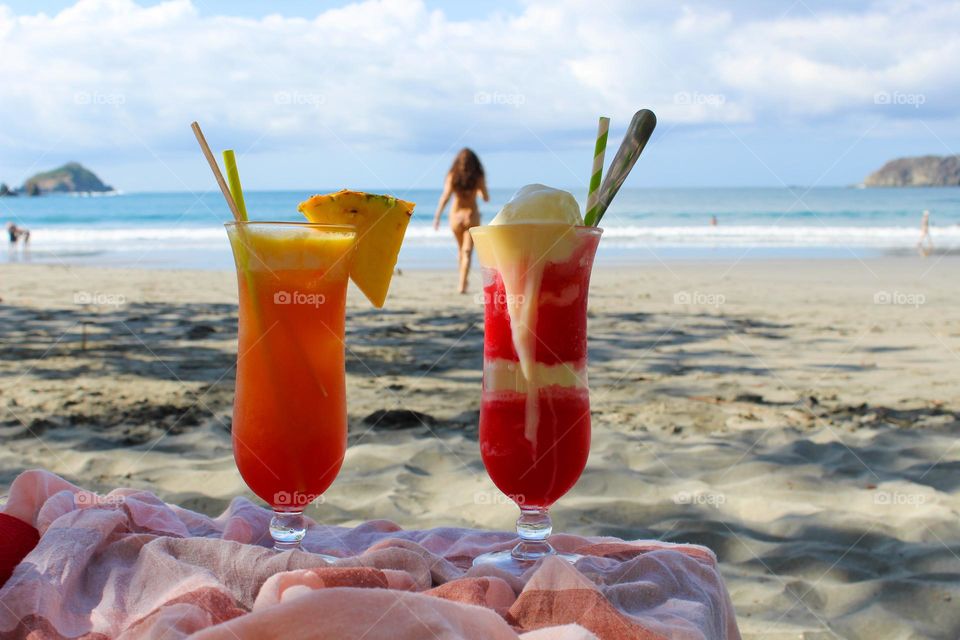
{"type": "Point", "coordinates": [72, 177]}
{"type": "Point", "coordinates": [922, 171]}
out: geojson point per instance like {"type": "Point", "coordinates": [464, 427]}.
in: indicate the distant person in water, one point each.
{"type": "Point", "coordinates": [464, 182]}
{"type": "Point", "coordinates": [713, 221]}
{"type": "Point", "coordinates": [925, 245]}
{"type": "Point", "coordinates": [16, 233]}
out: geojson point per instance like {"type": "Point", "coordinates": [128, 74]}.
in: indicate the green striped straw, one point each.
{"type": "Point", "coordinates": [598, 152]}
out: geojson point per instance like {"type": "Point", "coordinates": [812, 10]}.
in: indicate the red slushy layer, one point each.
{"type": "Point", "coordinates": [536, 478]}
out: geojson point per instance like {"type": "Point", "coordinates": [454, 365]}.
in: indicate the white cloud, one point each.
{"type": "Point", "coordinates": [109, 74]}
{"type": "Point", "coordinates": [835, 64]}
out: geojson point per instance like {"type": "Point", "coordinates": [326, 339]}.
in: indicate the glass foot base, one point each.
{"type": "Point", "coordinates": [534, 528]}
{"type": "Point", "coordinates": [285, 546]}
{"type": "Point", "coordinates": [287, 529]}
{"type": "Point", "coordinates": [517, 562]}
{"type": "Point", "coordinates": [294, 546]}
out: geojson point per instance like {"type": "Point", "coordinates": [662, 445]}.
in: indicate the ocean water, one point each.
{"type": "Point", "coordinates": [180, 230]}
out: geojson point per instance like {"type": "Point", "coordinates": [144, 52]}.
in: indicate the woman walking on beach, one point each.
{"type": "Point", "coordinates": [464, 182]}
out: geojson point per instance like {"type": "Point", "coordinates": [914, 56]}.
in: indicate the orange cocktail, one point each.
{"type": "Point", "coordinates": [290, 414]}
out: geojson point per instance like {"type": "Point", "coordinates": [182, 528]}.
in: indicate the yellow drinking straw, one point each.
{"type": "Point", "coordinates": [233, 177]}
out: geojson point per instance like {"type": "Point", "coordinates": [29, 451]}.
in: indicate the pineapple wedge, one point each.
{"type": "Point", "coordinates": [381, 223]}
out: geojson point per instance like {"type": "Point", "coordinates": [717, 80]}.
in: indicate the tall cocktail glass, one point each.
{"type": "Point", "coordinates": [290, 411]}
{"type": "Point", "coordinates": [535, 402]}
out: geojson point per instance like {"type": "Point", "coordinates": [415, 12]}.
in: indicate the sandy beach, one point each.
{"type": "Point", "coordinates": [799, 418]}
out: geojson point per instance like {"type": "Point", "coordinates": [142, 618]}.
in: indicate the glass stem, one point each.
{"type": "Point", "coordinates": [287, 529]}
{"type": "Point", "coordinates": [534, 527]}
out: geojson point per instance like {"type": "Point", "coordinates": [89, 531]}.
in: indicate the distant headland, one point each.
{"type": "Point", "coordinates": [922, 171]}
{"type": "Point", "coordinates": [72, 177]}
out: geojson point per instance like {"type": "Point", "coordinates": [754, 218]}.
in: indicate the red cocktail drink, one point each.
{"type": "Point", "coordinates": [535, 404]}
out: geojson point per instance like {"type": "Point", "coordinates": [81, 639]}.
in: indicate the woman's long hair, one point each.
{"type": "Point", "coordinates": [466, 172]}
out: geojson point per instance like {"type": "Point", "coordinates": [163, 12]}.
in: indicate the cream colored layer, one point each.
{"type": "Point", "coordinates": [507, 375]}
{"type": "Point", "coordinates": [521, 250]}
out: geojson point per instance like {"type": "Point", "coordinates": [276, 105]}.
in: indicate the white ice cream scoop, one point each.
{"type": "Point", "coordinates": [537, 203]}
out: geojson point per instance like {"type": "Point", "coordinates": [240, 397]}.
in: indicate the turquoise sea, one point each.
{"type": "Point", "coordinates": [172, 230]}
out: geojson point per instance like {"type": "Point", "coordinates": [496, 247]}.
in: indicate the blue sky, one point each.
{"type": "Point", "coordinates": [456, 9]}
{"type": "Point", "coordinates": [380, 94]}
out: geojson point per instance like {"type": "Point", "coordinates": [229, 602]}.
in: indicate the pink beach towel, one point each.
{"type": "Point", "coordinates": [128, 565]}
